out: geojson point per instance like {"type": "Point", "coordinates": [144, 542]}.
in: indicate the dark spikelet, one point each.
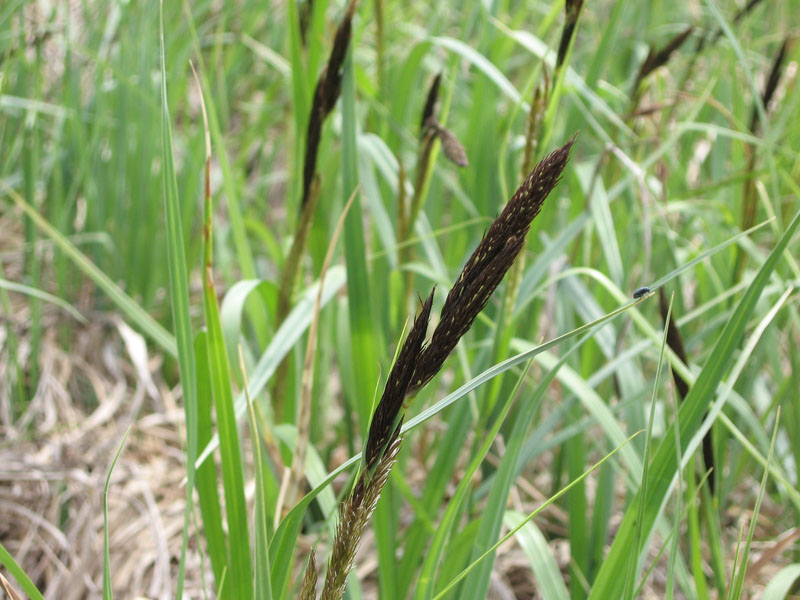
{"type": "Point", "coordinates": [658, 58]}
{"type": "Point", "coordinates": [775, 73]}
{"type": "Point", "coordinates": [488, 264]}
{"type": "Point", "coordinates": [462, 306]}
{"type": "Point", "coordinates": [313, 134]}
{"type": "Point", "coordinates": [326, 93]}
{"type": "Point", "coordinates": [383, 444]}
{"type": "Point", "coordinates": [430, 101]}
{"type": "Point", "coordinates": [354, 515]}
{"type": "Point", "coordinates": [573, 11]}
{"type": "Point", "coordinates": [305, 16]}
{"type": "Point", "coordinates": [563, 45]}
{"type": "Point", "coordinates": [745, 10]}
{"type": "Point", "coordinates": [387, 419]}
{"type": "Point", "coordinates": [308, 589]}
{"type": "Point", "coordinates": [741, 14]}
{"type": "Point", "coordinates": [453, 149]}
{"type": "Point", "coordinates": [772, 83]}
{"type": "Point", "coordinates": [333, 77]}
{"type": "Point", "coordinates": [675, 342]}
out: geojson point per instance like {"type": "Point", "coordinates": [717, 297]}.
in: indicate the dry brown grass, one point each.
{"type": "Point", "coordinates": [55, 456]}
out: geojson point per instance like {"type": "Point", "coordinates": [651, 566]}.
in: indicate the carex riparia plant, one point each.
{"type": "Point", "coordinates": [418, 362]}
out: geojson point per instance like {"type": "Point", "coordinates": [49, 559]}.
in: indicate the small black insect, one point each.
{"type": "Point", "coordinates": [641, 292]}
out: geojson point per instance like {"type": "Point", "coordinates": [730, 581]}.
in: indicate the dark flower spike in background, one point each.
{"type": "Point", "coordinates": [417, 364]}
{"type": "Point", "coordinates": [430, 102]}
{"type": "Point", "coordinates": [326, 93]}
{"type": "Point", "coordinates": [572, 10]}
{"type": "Point", "coordinates": [657, 58]}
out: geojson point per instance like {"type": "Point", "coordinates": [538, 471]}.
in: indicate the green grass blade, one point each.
{"type": "Point", "coordinates": [17, 573]}
{"type": "Point", "coordinates": [477, 583]}
{"type": "Point", "coordinates": [532, 515]}
{"type": "Point", "coordinates": [206, 475]}
{"type": "Point", "coordinates": [739, 582]}
{"type": "Point", "coordinates": [734, 574]}
{"type": "Point", "coordinates": [363, 346]}
{"type": "Point", "coordinates": [282, 342]}
{"type": "Point", "coordinates": [239, 571]}
{"type": "Point", "coordinates": [505, 365]}
{"type": "Point", "coordinates": [433, 495]}
{"type": "Point", "coordinates": [233, 307]}
{"type": "Point", "coordinates": [362, 341]}
{"type": "Point", "coordinates": [668, 538]}
{"type": "Point", "coordinates": [243, 252]}
{"type": "Point", "coordinates": [546, 572]}
{"type": "Point", "coordinates": [42, 295]}
{"type": "Point", "coordinates": [633, 567]}
{"type": "Point", "coordinates": [608, 583]}
{"type": "Point", "coordinates": [485, 66]}
{"type": "Point", "coordinates": [782, 582]}
{"type": "Point", "coordinates": [239, 567]}
{"type": "Point", "coordinates": [542, 51]}
{"type": "Point", "coordinates": [108, 593]}
{"type": "Point", "coordinates": [179, 298]}
{"type": "Point", "coordinates": [286, 535]}
{"type": "Point", "coordinates": [263, 583]}
{"type": "Point", "coordinates": [300, 98]}
{"type": "Point", "coordinates": [425, 585]}
{"type": "Point", "coordinates": [315, 471]}
{"type": "Point", "coordinates": [695, 545]}
{"type": "Point", "coordinates": [603, 221]}
{"type": "Point", "coordinates": [780, 477]}
{"type": "Point", "coordinates": [597, 407]}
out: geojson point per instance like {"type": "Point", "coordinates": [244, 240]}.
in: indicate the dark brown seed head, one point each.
{"type": "Point", "coordinates": [675, 342]}
{"type": "Point", "coordinates": [488, 264]}
{"type": "Point", "coordinates": [658, 58]}
{"type": "Point", "coordinates": [741, 14]}
{"type": "Point", "coordinates": [313, 134]}
{"type": "Point", "coordinates": [430, 101]}
{"type": "Point", "coordinates": [772, 83]}
{"type": "Point", "coordinates": [416, 364]}
{"type": "Point", "coordinates": [326, 93]}
{"type": "Point", "coordinates": [387, 418]}
{"type": "Point", "coordinates": [333, 78]}
{"type": "Point", "coordinates": [572, 8]}
{"type": "Point", "coordinates": [775, 73]}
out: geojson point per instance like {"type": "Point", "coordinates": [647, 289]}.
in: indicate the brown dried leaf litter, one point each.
{"type": "Point", "coordinates": [53, 463]}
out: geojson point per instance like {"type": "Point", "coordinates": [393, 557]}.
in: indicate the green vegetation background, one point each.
{"type": "Point", "coordinates": [95, 165]}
